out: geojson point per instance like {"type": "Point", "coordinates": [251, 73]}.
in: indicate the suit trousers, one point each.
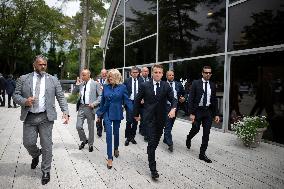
{"type": "Point", "coordinates": [112, 127]}
{"type": "Point", "coordinates": [155, 131]}
{"type": "Point", "coordinates": [204, 117]}
{"type": "Point", "coordinates": [34, 125]}
{"type": "Point", "coordinates": [168, 129]}
{"type": "Point", "coordinates": [85, 112]}
{"type": "Point", "coordinates": [131, 125]}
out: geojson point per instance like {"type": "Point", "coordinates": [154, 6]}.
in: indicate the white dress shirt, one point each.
{"type": "Point", "coordinates": [132, 94]}
{"type": "Point", "coordinates": [87, 93]}
{"type": "Point", "coordinates": [208, 94]}
{"type": "Point", "coordinates": [155, 86]}
{"type": "Point", "coordinates": [41, 97]}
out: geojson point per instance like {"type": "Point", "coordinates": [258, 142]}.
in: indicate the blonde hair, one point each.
{"type": "Point", "coordinates": [116, 75]}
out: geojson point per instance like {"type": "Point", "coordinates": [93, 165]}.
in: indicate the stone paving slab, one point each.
{"type": "Point", "coordinates": [234, 166]}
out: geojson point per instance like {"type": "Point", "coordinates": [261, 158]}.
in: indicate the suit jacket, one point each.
{"type": "Point", "coordinates": [113, 99]}
{"type": "Point", "coordinates": [154, 104]}
{"type": "Point", "coordinates": [24, 89]}
{"type": "Point", "coordinates": [179, 89]}
{"type": "Point", "coordinates": [94, 96]}
{"type": "Point", "coordinates": [128, 84]}
{"type": "Point", "coordinates": [196, 95]}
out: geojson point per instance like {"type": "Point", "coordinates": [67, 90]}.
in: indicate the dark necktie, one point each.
{"type": "Point", "coordinates": [135, 91]}
{"type": "Point", "coordinates": [171, 84]}
{"type": "Point", "coordinates": [85, 86]}
{"type": "Point", "coordinates": [205, 95]}
{"type": "Point", "coordinates": [158, 89]}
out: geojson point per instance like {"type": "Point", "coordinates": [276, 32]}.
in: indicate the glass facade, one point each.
{"type": "Point", "coordinates": [142, 52]}
{"type": "Point", "coordinates": [186, 35]}
{"type": "Point", "coordinates": [119, 15]}
{"type": "Point", "coordinates": [141, 19]}
{"type": "Point", "coordinates": [257, 84]}
{"type": "Point", "coordinates": [114, 53]}
{"type": "Point", "coordinates": [256, 23]}
{"type": "Point", "coordinates": [191, 28]}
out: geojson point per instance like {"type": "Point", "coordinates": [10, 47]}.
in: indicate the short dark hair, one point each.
{"type": "Point", "coordinates": [135, 68]}
{"type": "Point", "coordinates": [206, 67]}
{"type": "Point", "coordinates": [157, 66]}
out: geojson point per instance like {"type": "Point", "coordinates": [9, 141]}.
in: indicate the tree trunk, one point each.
{"type": "Point", "coordinates": [84, 34]}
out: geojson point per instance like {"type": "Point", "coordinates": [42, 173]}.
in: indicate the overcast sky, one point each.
{"type": "Point", "coordinates": [69, 8]}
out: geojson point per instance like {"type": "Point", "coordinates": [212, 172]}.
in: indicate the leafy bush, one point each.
{"type": "Point", "coordinates": [246, 127]}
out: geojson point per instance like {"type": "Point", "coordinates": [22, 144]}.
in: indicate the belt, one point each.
{"type": "Point", "coordinates": [204, 107]}
{"type": "Point", "coordinates": [36, 113]}
{"type": "Point", "coordinates": [84, 104]}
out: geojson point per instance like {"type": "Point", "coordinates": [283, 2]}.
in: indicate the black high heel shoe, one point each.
{"type": "Point", "coordinates": [116, 153]}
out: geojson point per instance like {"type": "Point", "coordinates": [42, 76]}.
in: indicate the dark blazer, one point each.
{"type": "Point", "coordinates": [196, 94]}
{"type": "Point", "coordinates": [112, 101]}
{"type": "Point", "coordinates": [154, 105]}
{"type": "Point", "coordinates": [179, 89]}
{"type": "Point", "coordinates": [128, 84]}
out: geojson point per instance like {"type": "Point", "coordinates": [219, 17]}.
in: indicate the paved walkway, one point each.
{"type": "Point", "coordinates": [234, 166]}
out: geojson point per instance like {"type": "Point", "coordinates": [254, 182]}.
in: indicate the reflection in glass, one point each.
{"type": "Point", "coordinates": [114, 53]}
{"type": "Point", "coordinates": [190, 28]}
{"type": "Point", "coordinates": [187, 71]}
{"type": "Point", "coordinates": [142, 52]}
{"type": "Point", "coordinates": [256, 23]}
{"type": "Point", "coordinates": [257, 83]}
{"type": "Point", "coordinates": [119, 15]}
{"type": "Point", "coordinates": [141, 19]}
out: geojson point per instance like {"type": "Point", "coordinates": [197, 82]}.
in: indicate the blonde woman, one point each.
{"type": "Point", "coordinates": [114, 96]}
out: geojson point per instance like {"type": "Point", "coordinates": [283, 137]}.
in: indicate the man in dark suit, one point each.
{"type": "Point", "coordinates": [155, 93]}
{"type": "Point", "coordinates": [179, 95]}
{"type": "Point", "coordinates": [142, 128]}
{"type": "Point", "coordinates": [203, 108]}
{"type": "Point", "coordinates": [102, 79]}
{"type": "Point", "coordinates": [132, 84]}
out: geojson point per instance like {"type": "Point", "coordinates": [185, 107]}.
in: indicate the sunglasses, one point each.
{"type": "Point", "coordinates": [207, 72]}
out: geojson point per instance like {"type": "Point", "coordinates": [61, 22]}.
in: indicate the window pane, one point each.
{"type": "Point", "coordinates": [119, 15]}
{"type": "Point", "coordinates": [187, 71]}
{"type": "Point", "coordinates": [141, 19]}
{"type": "Point", "coordinates": [190, 28]}
{"type": "Point", "coordinates": [142, 52]}
{"type": "Point", "coordinates": [256, 23]}
{"type": "Point", "coordinates": [257, 89]}
{"type": "Point", "coordinates": [114, 54]}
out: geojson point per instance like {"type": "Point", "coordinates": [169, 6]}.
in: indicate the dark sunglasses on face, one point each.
{"type": "Point", "coordinates": [207, 72]}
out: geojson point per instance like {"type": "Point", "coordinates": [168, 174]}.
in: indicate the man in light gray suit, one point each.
{"type": "Point", "coordinates": [90, 97]}
{"type": "Point", "coordinates": [36, 93]}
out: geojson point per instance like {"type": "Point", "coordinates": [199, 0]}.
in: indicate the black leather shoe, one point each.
{"type": "Point", "coordinates": [116, 153]}
{"type": "Point", "coordinates": [188, 143]}
{"type": "Point", "coordinates": [154, 174]}
{"type": "Point", "coordinates": [146, 139]}
{"type": "Point", "coordinates": [171, 148]}
{"type": "Point", "coordinates": [82, 145]}
{"type": "Point", "coordinates": [204, 158]}
{"type": "Point", "coordinates": [45, 178]}
{"type": "Point", "coordinates": [99, 133]}
{"type": "Point", "coordinates": [126, 142]}
{"type": "Point", "coordinates": [35, 161]}
{"type": "Point", "coordinates": [133, 141]}
{"type": "Point", "coordinates": [91, 148]}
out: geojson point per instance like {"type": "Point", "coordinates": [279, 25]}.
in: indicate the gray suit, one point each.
{"type": "Point", "coordinates": [39, 123]}
{"type": "Point", "coordinates": [86, 112]}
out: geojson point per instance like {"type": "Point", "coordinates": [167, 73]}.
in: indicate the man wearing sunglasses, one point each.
{"type": "Point", "coordinates": [203, 108]}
